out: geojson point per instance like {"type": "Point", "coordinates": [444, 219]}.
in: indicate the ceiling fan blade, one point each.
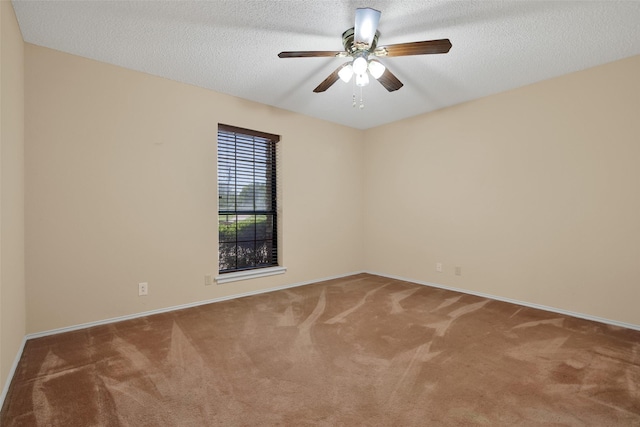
{"type": "Point", "coordinates": [416, 48]}
{"type": "Point", "coordinates": [390, 81]}
{"type": "Point", "coordinates": [366, 26]}
{"type": "Point", "coordinates": [311, 53]}
{"type": "Point", "coordinates": [329, 81]}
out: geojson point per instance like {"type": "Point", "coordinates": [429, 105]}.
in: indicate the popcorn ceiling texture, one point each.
{"type": "Point", "coordinates": [232, 46]}
{"type": "Point", "coordinates": [363, 350]}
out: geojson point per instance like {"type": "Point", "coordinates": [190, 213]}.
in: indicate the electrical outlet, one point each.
{"type": "Point", "coordinates": [439, 267]}
{"type": "Point", "coordinates": [458, 271]}
{"type": "Point", "coordinates": [143, 289]}
{"type": "Point", "coordinates": [208, 280]}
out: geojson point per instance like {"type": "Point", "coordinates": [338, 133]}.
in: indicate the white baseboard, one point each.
{"type": "Point", "coordinates": [513, 301]}
{"type": "Point", "coordinates": [5, 389]}
{"type": "Point", "coordinates": [180, 307]}
{"type": "Point", "coordinates": [12, 372]}
{"type": "Point", "coordinates": [261, 291]}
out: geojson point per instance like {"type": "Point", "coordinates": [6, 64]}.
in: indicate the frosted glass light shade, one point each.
{"type": "Point", "coordinates": [360, 65]}
{"type": "Point", "coordinates": [345, 73]}
{"type": "Point", "coordinates": [362, 79]}
{"type": "Point", "coordinates": [376, 69]}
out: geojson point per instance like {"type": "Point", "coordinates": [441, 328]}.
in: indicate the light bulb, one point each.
{"type": "Point", "coordinates": [345, 73]}
{"type": "Point", "coordinates": [376, 69]}
{"type": "Point", "coordinates": [362, 79]}
{"type": "Point", "coordinates": [360, 65]}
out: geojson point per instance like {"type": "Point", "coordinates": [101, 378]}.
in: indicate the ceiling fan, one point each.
{"type": "Point", "coordinates": [360, 43]}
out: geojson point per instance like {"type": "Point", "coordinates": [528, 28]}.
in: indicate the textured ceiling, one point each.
{"type": "Point", "coordinates": [232, 46]}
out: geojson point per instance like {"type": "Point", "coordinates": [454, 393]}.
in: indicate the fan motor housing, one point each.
{"type": "Point", "coordinates": [353, 48]}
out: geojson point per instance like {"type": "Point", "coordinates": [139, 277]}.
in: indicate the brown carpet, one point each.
{"type": "Point", "coordinates": [363, 350]}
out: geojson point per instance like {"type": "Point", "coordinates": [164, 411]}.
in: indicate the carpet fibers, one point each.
{"type": "Point", "coordinates": [363, 350]}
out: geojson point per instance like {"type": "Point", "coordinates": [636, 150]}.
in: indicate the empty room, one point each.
{"type": "Point", "coordinates": [331, 213]}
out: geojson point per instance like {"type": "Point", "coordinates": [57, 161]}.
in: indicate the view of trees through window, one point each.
{"type": "Point", "coordinates": [246, 199]}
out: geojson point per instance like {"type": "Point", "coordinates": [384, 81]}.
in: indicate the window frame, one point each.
{"type": "Point", "coordinates": [236, 140]}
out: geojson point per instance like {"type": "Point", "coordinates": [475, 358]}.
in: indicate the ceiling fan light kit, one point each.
{"type": "Point", "coordinates": [376, 69]}
{"type": "Point", "coordinates": [346, 73]}
{"type": "Point", "coordinates": [362, 80]}
{"type": "Point", "coordinates": [359, 43]}
{"type": "Point", "coordinates": [359, 64]}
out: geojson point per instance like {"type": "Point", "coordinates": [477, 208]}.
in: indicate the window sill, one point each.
{"type": "Point", "coordinates": [250, 274]}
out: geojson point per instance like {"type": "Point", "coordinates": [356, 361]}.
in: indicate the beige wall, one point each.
{"type": "Point", "coordinates": [12, 279]}
{"type": "Point", "coordinates": [534, 193]}
{"type": "Point", "coordinates": [121, 189]}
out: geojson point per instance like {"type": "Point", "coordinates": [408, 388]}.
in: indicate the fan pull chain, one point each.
{"type": "Point", "coordinates": [354, 94]}
{"type": "Point", "coordinates": [354, 103]}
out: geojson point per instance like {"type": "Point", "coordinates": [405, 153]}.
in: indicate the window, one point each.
{"type": "Point", "coordinates": [247, 211]}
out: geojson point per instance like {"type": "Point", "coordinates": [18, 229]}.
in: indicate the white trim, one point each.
{"type": "Point", "coordinates": [277, 288]}
{"type": "Point", "coordinates": [180, 307]}
{"type": "Point", "coordinates": [308, 282]}
{"type": "Point", "coordinates": [513, 301]}
{"type": "Point", "coordinates": [12, 372]}
{"type": "Point", "coordinates": [250, 274]}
